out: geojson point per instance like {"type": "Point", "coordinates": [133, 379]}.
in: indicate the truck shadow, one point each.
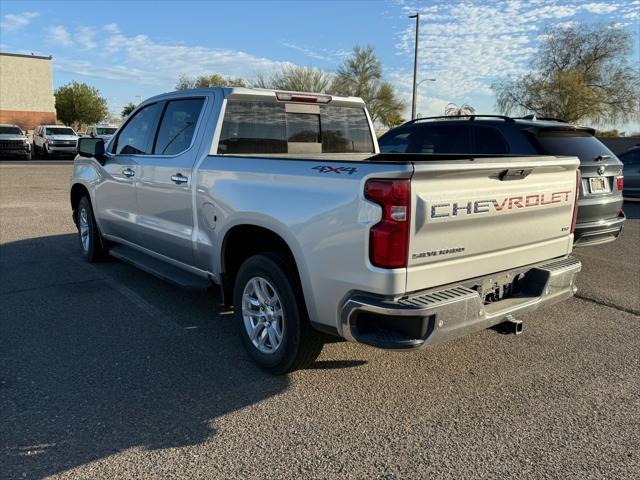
{"type": "Point", "coordinates": [97, 360]}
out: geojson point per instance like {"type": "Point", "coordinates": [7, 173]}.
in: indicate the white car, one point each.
{"type": "Point", "coordinates": [104, 132]}
{"type": "Point", "coordinates": [49, 140]}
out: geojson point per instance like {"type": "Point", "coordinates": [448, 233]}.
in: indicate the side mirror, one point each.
{"type": "Point", "coordinates": [91, 147]}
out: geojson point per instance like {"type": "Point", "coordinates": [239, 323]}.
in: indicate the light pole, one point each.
{"type": "Point", "coordinates": [415, 67]}
{"type": "Point", "coordinates": [415, 94]}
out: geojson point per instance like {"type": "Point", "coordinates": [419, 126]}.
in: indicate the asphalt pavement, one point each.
{"type": "Point", "coordinates": [107, 372]}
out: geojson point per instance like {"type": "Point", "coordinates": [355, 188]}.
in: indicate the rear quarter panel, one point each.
{"type": "Point", "coordinates": [321, 214]}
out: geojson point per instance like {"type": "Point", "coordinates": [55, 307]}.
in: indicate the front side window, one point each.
{"type": "Point", "coordinates": [59, 131]}
{"type": "Point", "coordinates": [136, 138]}
{"type": "Point", "coordinates": [177, 126]}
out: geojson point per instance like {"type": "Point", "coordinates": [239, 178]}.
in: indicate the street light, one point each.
{"type": "Point", "coordinates": [415, 94]}
{"type": "Point", "coordinates": [415, 67]}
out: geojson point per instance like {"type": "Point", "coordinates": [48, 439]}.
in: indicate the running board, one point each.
{"type": "Point", "coordinates": [160, 269]}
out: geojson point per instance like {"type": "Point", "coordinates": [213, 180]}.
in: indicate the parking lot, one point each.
{"type": "Point", "coordinates": [106, 371]}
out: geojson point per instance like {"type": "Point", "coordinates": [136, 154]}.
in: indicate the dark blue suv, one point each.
{"type": "Point", "coordinates": [600, 215]}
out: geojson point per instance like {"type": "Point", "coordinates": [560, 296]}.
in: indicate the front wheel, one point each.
{"type": "Point", "coordinates": [91, 244]}
{"type": "Point", "coordinates": [272, 317]}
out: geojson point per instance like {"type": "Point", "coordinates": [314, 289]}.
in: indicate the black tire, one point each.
{"type": "Point", "coordinates": [300, 344]}
{"type": "Point", "coordinates": [91, 243]}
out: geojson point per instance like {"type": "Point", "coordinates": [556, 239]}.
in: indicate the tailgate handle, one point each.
{"type": "Point", "coordinates": [515, 173]}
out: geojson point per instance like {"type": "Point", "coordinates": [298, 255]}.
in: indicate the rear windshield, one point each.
{"type": "Point", "coordinates": [254, 127]}
{"type": "Point", "coordinates": [572, 143]}
{"type": "Point", "coordinates": [10, 131]}
{"type": "Point", "coordinates": [59, 131]}
{"type": "Point", "coordinates": [105, 130]}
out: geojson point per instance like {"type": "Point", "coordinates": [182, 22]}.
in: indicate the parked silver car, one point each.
{"type": "Point", "coordinates": [105, 132]}
{"type": "Point", "coordinates": [50, 140]}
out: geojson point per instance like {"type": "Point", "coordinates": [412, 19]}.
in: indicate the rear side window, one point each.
{"type": "Point", "coordinates": [178, 125]}
{"type": "Point", "coordinates": [428, 139]}
{"type": "Point", "coordinates": [136, 138]}
{"type": "Point", "coordinates": [489, 140]}
{"type": "Point", "coordinates": [572, 143]}
{"type": "Point", "coordinates": [267, 127]}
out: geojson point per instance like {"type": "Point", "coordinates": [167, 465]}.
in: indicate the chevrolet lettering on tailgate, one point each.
{"type": "Point", "coordinates": [452, 210]}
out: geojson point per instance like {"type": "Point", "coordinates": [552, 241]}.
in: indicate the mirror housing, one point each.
{"type": "Point", "coordinates": [91, 148]}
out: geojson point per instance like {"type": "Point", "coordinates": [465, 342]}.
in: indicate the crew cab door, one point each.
{"type": "Point", "coordinates": [116, 203]}
{"type": "Point", "coordinates": [164, 181]}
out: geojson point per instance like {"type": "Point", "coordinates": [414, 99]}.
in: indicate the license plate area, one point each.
{"type": "Point", "coordinates": [598, 185]}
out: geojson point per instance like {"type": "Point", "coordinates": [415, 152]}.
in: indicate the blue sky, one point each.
{"type": "Point", "coordinates": [134, 49]}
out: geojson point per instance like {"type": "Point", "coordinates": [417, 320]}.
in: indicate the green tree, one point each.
{"type": "Point", "coordinates": [127, 109]}
{"type": "Point", "coordinates": [297, 79]}
{"type": "Point", "coordinates": [361, 75]}
{"type": "Point", "coordinates": [453, 110]}
{"type": "Point", "coordinates": [205, 81]}
{"type": "Point", "coordinates": [79, 105]}
{"type": "Point", "coordinates": [580, 73]}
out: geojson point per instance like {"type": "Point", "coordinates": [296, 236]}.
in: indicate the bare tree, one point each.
{"type": "Point", "coordinates": [204, 81]}
{"type": "Point", "coordinates": [579, 73]}
{"type": "Point", "coordinates": [297, 79]}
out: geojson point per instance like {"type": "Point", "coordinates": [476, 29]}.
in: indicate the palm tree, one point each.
{"type": "Point", "coordinates": [464, 110]}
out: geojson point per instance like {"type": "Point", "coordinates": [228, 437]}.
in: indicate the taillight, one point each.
{"type": "Point", "coordinates": [620, 182]}
{"type": "Point", "coordinates": [389, 239]}
{"type": "Point", "coordinates": [575, 205]}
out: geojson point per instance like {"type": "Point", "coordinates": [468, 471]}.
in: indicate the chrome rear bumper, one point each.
{"type": "Point", "coordinates": [438, 315]}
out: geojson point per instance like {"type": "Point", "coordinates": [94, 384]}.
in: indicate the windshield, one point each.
{"type": "Point", "coordinates": [59, 131]}
{"type": "Point", "coordinates": [10, 131]}
{"type": "Point", "coordinates": [106, 130]}
{"type": "Point", "coordinates": [572, 143]}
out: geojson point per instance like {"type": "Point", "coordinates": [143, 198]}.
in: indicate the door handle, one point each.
{"type": "Point", "coordinates": [127, 172]}
{"type": "Point", "coordinates": [179, 178]}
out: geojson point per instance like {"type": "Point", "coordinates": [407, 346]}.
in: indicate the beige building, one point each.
{"type": "Point", "coordinates": [26, 90]}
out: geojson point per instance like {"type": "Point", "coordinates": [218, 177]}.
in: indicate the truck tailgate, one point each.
{"type": "Point", "coordinates": [481, 216]}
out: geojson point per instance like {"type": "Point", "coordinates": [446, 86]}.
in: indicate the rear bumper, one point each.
{"type": "Point", "coordinates": [595, 233]}
{"type": "Point", "coordinates": [438, 315]}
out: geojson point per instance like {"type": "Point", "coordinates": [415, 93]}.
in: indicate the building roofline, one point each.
{"type": "Point", "coordinates": [26, 56]}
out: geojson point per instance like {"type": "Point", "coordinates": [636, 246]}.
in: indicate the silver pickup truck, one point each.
{"type": "Point", "coordinates": [283, 200]}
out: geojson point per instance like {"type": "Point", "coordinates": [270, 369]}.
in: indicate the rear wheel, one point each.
{"type": "Point", "coordinates": [91, 245]}
{"type": "Point", "coordinates": [272, 317]}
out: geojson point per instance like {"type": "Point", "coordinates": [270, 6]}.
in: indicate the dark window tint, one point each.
{"type": "Point", "coordinates": [59, 131]}
{"type": "Point", "coordinates": [178, 125]}
{"type": "Point", "coordinates": [345, 130]}
{"type": "Point", "coordinates": [428, 139]}
{"type": "Point", "coordinates": [489, 140]}
{"type": "Point", "coordinates": [253, 127]}
{"type": "Point", "coordinates": [630, 158]}
{"type": "Point", "coordinates": [10, 131]}
{"type": "Point", "coordinates": [572, 143]}
{"type": "Point", "coordinates": [136, 138]}
{"type": "Point", "coordinates": [106, 130]}
{"type": "Point", "coordinates": [303, 127]}
{"type": "Point", "coordinates": [265, 127]}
